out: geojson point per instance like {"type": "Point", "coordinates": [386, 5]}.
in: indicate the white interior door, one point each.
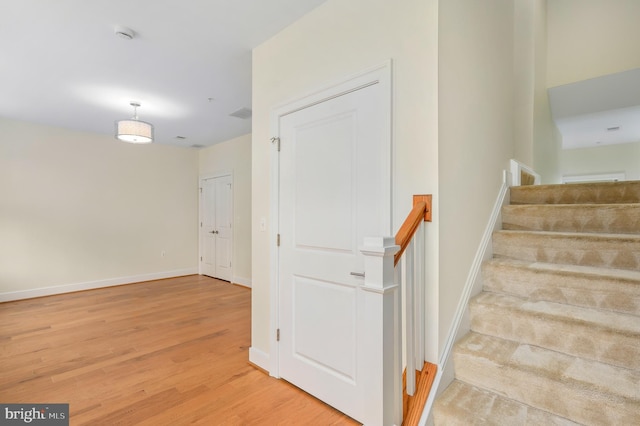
{"type": "Point", "coordinates": [334, 191]}
{"type": "Point", "coordinates": [216, 226]}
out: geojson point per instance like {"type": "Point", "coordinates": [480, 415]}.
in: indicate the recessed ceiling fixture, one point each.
{"type": "Point", "coordinates": [134, 130]}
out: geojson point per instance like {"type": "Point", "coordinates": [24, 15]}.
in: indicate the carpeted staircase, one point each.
{"type": "Point", "coordinates": [555, 334]}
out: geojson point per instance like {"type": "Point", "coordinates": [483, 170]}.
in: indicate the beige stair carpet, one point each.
{"type": "Point", "coordinates": [584, 193]}
{"type": "Point", "coordinates": [555, 334]}
{"type": "Point", "coordinates": [595, 218]}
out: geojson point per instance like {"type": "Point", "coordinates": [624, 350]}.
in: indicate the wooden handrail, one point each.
{"type": "Point", "coordinates": [421, 211]}
{"type": "Point", "coordinates": [412, 313]}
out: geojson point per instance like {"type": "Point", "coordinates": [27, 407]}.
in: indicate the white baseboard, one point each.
{"type": "Point", "coordinates": [259, 358]}
{"type": "Point", "coordinates": [90, 285]}
{"type": "Point", "coordinates": [245, 282]}
{"type": "Point", "coordinates": [473, 285]}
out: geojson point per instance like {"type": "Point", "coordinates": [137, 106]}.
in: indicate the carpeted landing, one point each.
{"type": "Point", "coordinates": [555, 334]}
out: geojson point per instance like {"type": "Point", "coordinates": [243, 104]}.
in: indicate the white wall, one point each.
{"type": "Point", "coordinates": [591, 38]}
{"type": "Point", "coordinates": [235, 156]}
{"type": "Point", "coordinates": [338, 39]}
{"type": "Point", "coordinates": [476, 111]}
{"type": "Point", "coordinates": [602, 159]}
{"type": "Point", "coordinates": [80, 210]}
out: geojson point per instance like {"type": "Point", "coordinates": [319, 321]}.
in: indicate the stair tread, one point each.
{"type": "Point", "coordinates": [464, 404]}
{"type": "Point", "coordinates": [622, 274]}
{"type": "Point", "coordinates": [620, 322]}
{"type": "Point", "coordinates": [577, 235]}
{"type": "Point", "coordinates": [602, 192]}
{"type": "Point", "coordinates": [593, 218]}
{"type": "Point", "coordinates": [565, 385]}
{"type": "Point", "coordinates": [598, 335]}
{"type": "Point", "coordinates": [572, 207]}
{"type": "Point", "coordinates": [619, 251]}
{"type": "Point", "coordinates": [556, 366]}
{"type": "Point", "coordinates": [609, 289]}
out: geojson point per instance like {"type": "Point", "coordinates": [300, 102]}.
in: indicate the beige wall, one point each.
{"type": "Point", "coordinates": [602, 159]}
{"type": "Point", "coordinates": [591, 38]}
{"type": "Point", "coordinates": [476, 111]}
{"type": "Point", "coordinates": [586, 39]}
{"type": "Point", "coordinates": [78, 208]}
{"type": "Point", "coordinates": [544, 145]}
{"type": "Point", "coordinates": [235, 156]}
{"type": "Point", "coordinates": [535, 143]}
{"type": "Point", "coordinates": [525, 73]}
{"type": "Point", "coordinates": [338, 39]}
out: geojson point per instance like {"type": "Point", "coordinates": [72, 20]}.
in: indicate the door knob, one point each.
{"type": "Point", "coordinates": [213, 232]}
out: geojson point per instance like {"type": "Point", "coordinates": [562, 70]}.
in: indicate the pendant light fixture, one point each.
{"type": "Point", "coordinates": [134, 130]}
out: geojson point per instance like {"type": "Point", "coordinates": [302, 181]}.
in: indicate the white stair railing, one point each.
{"type": "Point", "coordinates": [410, 275]}
{"type": "Point", "coordinates": [381, 340]}
{"type": "Point", "coordinates": [394, 314]}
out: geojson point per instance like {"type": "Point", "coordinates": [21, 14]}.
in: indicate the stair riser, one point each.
{"type": "Point", "coordinates": [608, 251]}
{"type": "Point", "coordinates": [573, 402]}
{"type": "Point", "coordinates": [575, 338]}
{"type": "Point", "coordinates": [602, 193]}
{"type": "Point", "coordinates": [590, 291]}
{"type": "Point", "coordinates": [616, 219]}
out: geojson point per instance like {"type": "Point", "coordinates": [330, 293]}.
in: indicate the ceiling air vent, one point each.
{"type": "Point", "coordinates": [197, 146]}
{"type": "Point", "coordinates": [243, 113]}
{"type": "Point", "coordinates": [613, 129]}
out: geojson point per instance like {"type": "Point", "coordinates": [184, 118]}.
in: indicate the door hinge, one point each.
{"type": "Point", "coordinates": [200, 224]}
{"type": "Point", "coordinates": [277, 335]}
{"type": "Point", "coordinates": [276, 140]}
{"type": "Point", "coordinates": [200, 258]}
{"type": "Point", "coordinates": [201, 190]}
{"type": "Point", "coordinates": [278, 240]}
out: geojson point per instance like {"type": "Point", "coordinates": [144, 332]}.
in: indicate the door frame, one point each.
{"type": "Point", "coordinates": [201, 180]}
{"type": "Point", "coordinates": [379, 74]}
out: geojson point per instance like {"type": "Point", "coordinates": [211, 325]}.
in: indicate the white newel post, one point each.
{"type": "Point", "coordinates": [381, 334]}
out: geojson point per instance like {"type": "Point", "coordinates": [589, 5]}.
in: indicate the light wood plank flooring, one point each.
{"type": "Point", "coordinates": [166, 352]}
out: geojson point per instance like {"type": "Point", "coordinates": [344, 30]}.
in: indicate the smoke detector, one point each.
{"type": "Point", "coordinates": [124, 32]}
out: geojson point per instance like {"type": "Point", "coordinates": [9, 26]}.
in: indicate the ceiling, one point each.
{"type": "Point", "coordinates": [599, 111]}
{"type": "Point", "coordinates": [188, 64]}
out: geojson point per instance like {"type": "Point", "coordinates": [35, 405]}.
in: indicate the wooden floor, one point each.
{"type": "Point", "coordinates": [168, 352]}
